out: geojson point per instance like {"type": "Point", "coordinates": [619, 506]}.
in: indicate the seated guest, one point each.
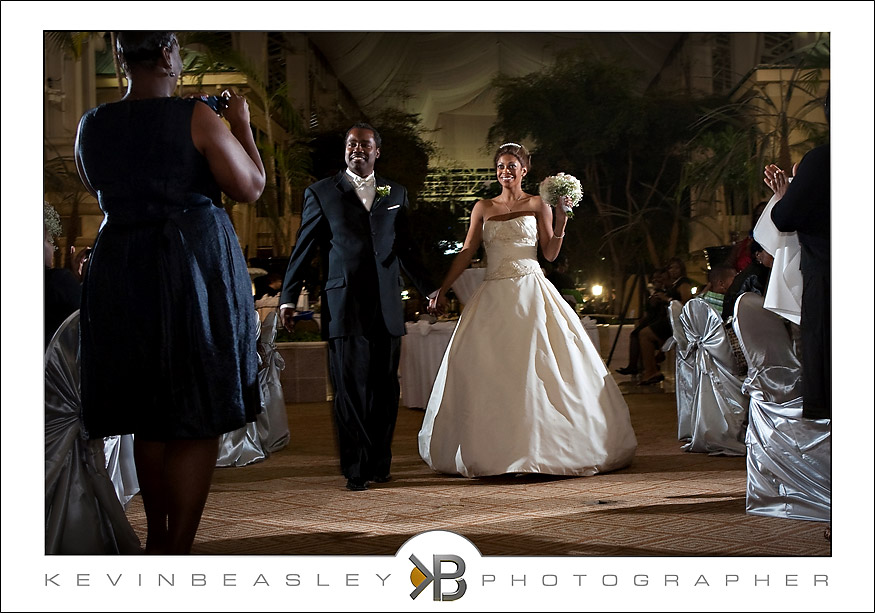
{"type": "Point", "coordinates": [740, 257]}
{"type": "Point", "coordinates": [654, 311]}
{"type": "Point", "coordinates": [653, 336]}
{"type": "Point", "coordinates": [754, 278]}
{"type": "Point", "coordinates": [268, 285]}
{"type": "Point", "coordinates": [563, 282]}
{"type": "Point", "coordinates": [719, 280]}
{"type": "Point", "coordinates": [560, 277]}
{"type": "Point", "coordinates": [62, 289]}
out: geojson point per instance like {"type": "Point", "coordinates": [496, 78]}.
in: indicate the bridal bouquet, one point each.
{"type": "Point", "coordinates": [553, 188]}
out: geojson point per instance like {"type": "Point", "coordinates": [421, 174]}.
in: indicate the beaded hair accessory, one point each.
{"type": "Point", "coordinates": [511, 145]}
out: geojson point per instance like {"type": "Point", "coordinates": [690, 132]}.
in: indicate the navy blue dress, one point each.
{"type": "Point", "coordinates": [168, 347]}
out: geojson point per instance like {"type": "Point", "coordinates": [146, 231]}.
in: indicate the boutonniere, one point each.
{"type": "Point", "coordinates": [383, 191]}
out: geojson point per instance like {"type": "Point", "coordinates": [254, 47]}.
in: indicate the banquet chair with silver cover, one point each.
{"type": "Point", "coordinates": [119, 453]}
{"type": "Point", "coordinates": [788, 457]}
{"type": "Point", "coordinates": [244, 445]}
{"type": "Point", "coordinates": [83, 513]}
{"type": "Point", "coordinates": [273, 422]}
{"type": "Point", "coordinates": [685, 370]}
{"type": "Point", "coordinates": [719, 407]}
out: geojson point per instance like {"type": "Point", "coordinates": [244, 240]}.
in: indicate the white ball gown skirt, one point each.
{"type": "Point", "coordinates": [521, 388]}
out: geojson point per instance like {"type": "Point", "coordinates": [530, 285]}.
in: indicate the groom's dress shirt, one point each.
{"type": "Point", "coordinates": [365, 188]}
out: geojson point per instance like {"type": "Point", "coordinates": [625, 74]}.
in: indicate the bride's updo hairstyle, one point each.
{"type": "Point", "coordinates": [516, 150]}
{"type": "Point", "coordinates": [141, 48]}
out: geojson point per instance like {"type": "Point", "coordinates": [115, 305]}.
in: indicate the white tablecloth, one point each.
{"type": "Point", "coordinates": [422, 351]}
{"type": "Point", "coordinates": [592, 331]}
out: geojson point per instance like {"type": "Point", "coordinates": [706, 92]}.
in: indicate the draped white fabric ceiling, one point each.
{"type": "Point", "coordinates": [446, 76]}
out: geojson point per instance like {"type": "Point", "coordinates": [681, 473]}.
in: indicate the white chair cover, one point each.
{"type": "Point", "coordinates": [243, 446]}
{"type": "Point", "coordinates": [83, 512]}
{"type": "Point", "coordinates": [719, 408]}
{"type": "Point", "coordinates": [788, 458]}
{"type": "Point", "coordinates": [119, 452]}
{"type": "Point", "coordinates": [685, 371]}
{"type": "Point", "coordinates": [273, 422]}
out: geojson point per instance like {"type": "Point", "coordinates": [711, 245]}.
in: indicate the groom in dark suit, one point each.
{"type": "Point", "coordinates": [359, 221]}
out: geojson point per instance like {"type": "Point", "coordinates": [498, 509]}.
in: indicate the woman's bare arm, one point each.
{"type": "Point", "coordinates": [231, 154]}
{"type": "Point", "coordinates": [551, 227]}
{"type": "Point", "coordinates": [462, 259]}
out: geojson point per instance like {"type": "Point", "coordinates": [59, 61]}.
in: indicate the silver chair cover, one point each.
{"type": "Point", "coordinates": [244, 445]}
{"type": "Point", "coordinates": [83, 512]}
{"type": "Point", "coordinates": [719, 408]}
{"type": "Point", "coordinates": [119, 453]}
{"type": "Point", "coordinates": [273, 422]}
{"type": "Point", "coordinates": [788, 458]}
{"type": "Point", "coordinates": [685, 372]}
{"type": "Point", "coordinates": [241, 447]}
{"type": "Point", "coordinates": [270, 431]}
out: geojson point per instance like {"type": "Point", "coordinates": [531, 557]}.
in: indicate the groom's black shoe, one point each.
{"type": "Point", "coordinates": [356, 485]}
{"type": "Point", "coordinates": [383, 478]}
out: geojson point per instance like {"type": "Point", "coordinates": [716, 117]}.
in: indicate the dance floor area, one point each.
{"type": "Point", "coordinates": [667, 503]}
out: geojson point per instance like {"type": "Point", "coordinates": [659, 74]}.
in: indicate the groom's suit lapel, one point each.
{"type": "Point", "coordinates": [347, 191]}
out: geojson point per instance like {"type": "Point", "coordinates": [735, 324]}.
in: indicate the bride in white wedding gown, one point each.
{"type": "Point", "coordinates": [521, 388]}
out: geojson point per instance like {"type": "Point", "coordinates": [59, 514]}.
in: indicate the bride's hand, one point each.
{"type": "Point", "coordinates": [438, 305]}
{"type": "Point", "coordinates": [563, 205]}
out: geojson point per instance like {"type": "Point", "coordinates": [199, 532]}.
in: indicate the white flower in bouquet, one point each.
{"type": "Point", "coordinates": [553, 188]}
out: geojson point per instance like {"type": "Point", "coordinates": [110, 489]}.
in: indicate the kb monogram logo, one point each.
{"type": "Point", "coordinates": [421, 577]}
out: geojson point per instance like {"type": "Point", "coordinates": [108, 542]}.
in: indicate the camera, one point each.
{"type": "Point", "coordinates": [217, 103]}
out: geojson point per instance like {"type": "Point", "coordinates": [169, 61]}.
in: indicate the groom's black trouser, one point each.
{"type": "Point", "coordinates": [364, 372]}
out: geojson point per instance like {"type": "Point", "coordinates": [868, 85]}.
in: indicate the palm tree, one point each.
{"type": "Point", "coordinates": [284, 150]}
{"type": "Point", "coordinates": [587, 119]}
{"type": "Point", "coordinates": [770, 121]}
{"type": "Point", "coordinates": [61, 178]}
{"type": "Point", "coordinates": [74, 43]}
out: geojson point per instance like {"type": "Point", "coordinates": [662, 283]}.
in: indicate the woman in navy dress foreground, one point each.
{"type": "Point", "coordinates": [168, 341]}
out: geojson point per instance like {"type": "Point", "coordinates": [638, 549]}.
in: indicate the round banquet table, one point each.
{"type": "Point", "coordinates": [422, 350]}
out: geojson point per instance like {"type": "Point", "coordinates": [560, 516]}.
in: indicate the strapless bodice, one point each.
{"type": "Point", "coordinates": [511, 247]}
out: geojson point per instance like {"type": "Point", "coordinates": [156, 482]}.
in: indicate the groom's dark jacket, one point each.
{"type": "Point", "coordinates": [363, 253]}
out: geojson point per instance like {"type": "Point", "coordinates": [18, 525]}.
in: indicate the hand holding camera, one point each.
{"type": "Point", "coordinates": [230, 105]}
{"type": "Point", "coordinates": [217, 103]}
{"type": "Point", "coordinates": [236, 109]}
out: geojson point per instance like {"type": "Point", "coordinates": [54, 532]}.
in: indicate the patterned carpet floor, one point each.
{"type": "Point", "coordinates": [667, 503]}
